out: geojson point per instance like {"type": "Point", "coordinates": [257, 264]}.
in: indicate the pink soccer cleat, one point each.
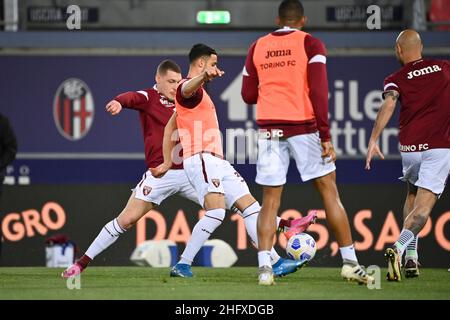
{"type": "Point", "coordinates": [72, 271]}
{"type": "Point", "coordinates": [301, 224]}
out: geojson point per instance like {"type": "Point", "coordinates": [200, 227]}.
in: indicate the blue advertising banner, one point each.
{"type": "Point", "coordinates": [88, 145]}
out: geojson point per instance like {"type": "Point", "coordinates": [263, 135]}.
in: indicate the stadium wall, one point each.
{"type": "Point", "coordinates": [33, 213]}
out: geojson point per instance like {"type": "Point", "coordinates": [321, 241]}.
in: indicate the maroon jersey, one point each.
{"type": "Point", "coordinates": [424, 89]}
{"type": "Point", "coordinates": [155, 111]}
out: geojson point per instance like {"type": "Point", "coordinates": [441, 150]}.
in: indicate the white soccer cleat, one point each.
{"type": "Point", "coordinates": [355, 272]}
{"type": "Point", "coordinates": [265, 276]}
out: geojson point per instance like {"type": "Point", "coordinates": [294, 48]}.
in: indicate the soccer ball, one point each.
{"type": "Point", "coordinates": [301, 247]}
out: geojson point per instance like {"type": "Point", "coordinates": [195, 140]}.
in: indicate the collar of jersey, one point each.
{"type": "Point", "coordinates": [414, 62]}
{"type": "Point", "coordinates": [285, 29]}
{"type": "Point", "coordinates": [161, 95]}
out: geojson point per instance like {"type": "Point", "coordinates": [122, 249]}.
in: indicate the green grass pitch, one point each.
{"type": "Point", "coordinates": [237, 283]}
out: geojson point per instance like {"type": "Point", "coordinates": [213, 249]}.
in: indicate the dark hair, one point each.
{"type": "Point", "coordinates": [290, 10]}
{"type": "Point", "coordinates": [200, 50]}
{"type": "Point", "coordinates": [167, 65]}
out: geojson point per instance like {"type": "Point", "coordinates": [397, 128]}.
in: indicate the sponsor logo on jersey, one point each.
{"type": "Point", "coordinates": [423, 71]}
{"type": "Point", "coordinates": [278, 53]}
{"type": "Point", "coordinates": [73, 109]}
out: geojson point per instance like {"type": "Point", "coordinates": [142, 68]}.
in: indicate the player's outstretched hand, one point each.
{"type": "Point", "coordinates": [371, 151]}
{"type": "Point", "coordinates": [328, 151]}
{"type": "Point", "coordinates": [114, 107]}
{"type": "Point", "coordinates": [160, 170]}
{"type": "Point", "coordinates": [213, 72]}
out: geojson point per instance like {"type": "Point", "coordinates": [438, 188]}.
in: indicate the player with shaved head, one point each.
{"type": "Point", "coordinates": [423, 88]}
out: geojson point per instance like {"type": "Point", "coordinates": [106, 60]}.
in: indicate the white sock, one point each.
{"type": "Point", "coordinates": [250, 216]}
{"type": "Point", "coordinates": [201, 232]}
{"type": "Point", "coordinates": [274, 256]}
{"type": "Point", "coordinates": [107, 236]}
{"type": "Point", "coordinates": [405, 238]}
{"type": "Point", "coordinates": [348, 253]}
{"type": "Point", "coordinates": [278, 221]}
{"type": "Point", "coordinates": [264, 259]}
{"type": "Point", "coordinates": [411, 249]}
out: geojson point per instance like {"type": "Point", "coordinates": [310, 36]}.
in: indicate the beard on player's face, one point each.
{"type": "Point", "coordinates": [209, 61]}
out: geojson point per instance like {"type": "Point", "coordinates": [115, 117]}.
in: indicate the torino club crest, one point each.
{"type": "Point", "coordinates": [73, 109]}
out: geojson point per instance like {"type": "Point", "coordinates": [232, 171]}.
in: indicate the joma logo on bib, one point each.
{"type": "Point", "coordinates": [277, 53]}
{"type": "Point", "coordinates": [421, 72]}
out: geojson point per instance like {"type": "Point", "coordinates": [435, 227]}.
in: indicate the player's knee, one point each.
{"type": "Point", "coordinates": [244, 201]}
{"type": "Point", "coordinates": [214, 201]}
{"type": "Point", "coordinates": [326, 185]}
{"type": "Point", "coordinates": [321, 183]}
{"type": "Point", "coordinates": [127, 224]}
{"type": "Point", "coordinates": [217, 214]}
{"type": "Point", "coordinates": [126, 221]}
{"type": "Point", "coordinates": [249, 209]}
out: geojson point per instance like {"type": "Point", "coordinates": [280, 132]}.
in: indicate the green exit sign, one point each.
{"type": "Point", "coordinates": [213, 17]}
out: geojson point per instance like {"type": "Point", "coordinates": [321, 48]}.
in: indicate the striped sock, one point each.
{"type": "Point", "coordinates": [109, 234]}
{"type": "Point", "coordinates": [406, 237]}
{"type": "Point", "coordinates": [201, 232]}
{"type": "Point", "coordinates": [411, 249]}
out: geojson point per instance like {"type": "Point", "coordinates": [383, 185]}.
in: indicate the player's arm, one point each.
{"type": "Point", "coordinates": [131, 100]}
{"type": "Point", "coordinates": [250, 80]}
{"type": "Point", "coordinates": [191, 86]}
{"type": "Point", "coordinates": [318, 92]}
{"type": "Point", "coordinates": [384, 115]}
{"type": "Point", "coordinates": [169, 142]}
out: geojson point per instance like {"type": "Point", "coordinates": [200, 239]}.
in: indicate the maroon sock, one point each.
{"type": "Point", "coordinates": [84, 261]}
{"type": "Point", "coordinates": [284, 223]}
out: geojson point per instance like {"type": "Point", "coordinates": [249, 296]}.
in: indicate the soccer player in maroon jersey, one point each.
{"type": "Point", "coordinates": [423, 88]}
{"type": "Point", "coordinates": [155, 106]}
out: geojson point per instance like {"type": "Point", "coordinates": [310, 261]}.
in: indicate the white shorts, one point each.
{"type": "Point", "coordinates": [274, 158]}
{"type": "Point", "coordinates": [156, 190]}
{"type": "Point", "coordinates": [208, 173]}
{"type": "Point", "coordinates": [427, 169]}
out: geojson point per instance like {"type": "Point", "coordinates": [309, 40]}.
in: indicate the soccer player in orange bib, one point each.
{"type": "Point", "coordinates": [156, 106]}
{"type": "Point", "coordinates": [423, 88]}
{"type": "Point", "coordinates": [285, 75]}
{"type": "Point", "coordinates": [217, 184]}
